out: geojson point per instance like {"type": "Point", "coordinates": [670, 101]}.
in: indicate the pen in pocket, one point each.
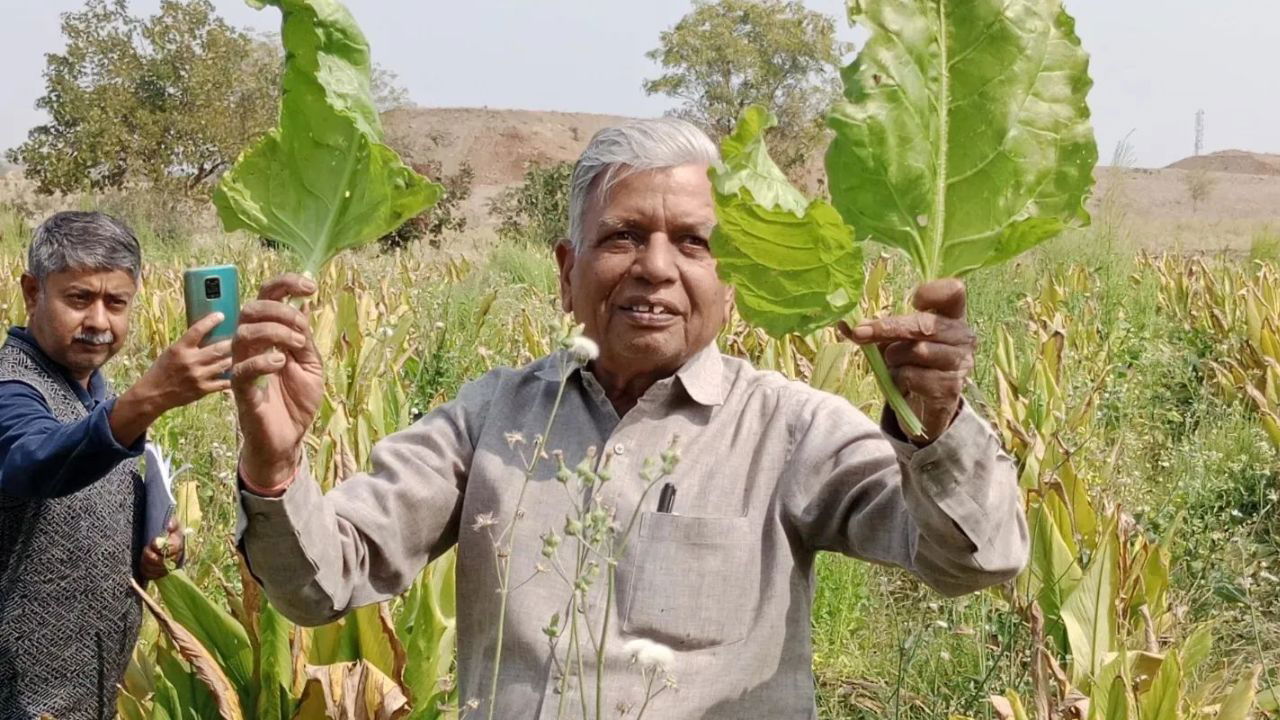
{"type": "Point", "coordinates": [666, 498]}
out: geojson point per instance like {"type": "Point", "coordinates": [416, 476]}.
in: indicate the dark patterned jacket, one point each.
{"type": "Point", "coordinates": [68, 617]}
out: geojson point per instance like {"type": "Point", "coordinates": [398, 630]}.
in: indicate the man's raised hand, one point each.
{"type": "Point", "coordinates": [278, 381]}
{"type": "Point", "coordinates": [929, 352]}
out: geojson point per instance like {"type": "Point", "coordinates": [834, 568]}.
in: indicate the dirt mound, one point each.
{"type": "Point", "coordinates": [499, 144]}
{"type": "Point", "coordinates": [1232, 161]}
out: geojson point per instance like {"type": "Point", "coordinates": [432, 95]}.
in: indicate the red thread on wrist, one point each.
{"type": "Point", "coordinates": [257, 489]}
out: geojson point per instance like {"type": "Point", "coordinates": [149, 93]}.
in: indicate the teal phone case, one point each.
{"type": "Point", "coordinates": [213, 289]}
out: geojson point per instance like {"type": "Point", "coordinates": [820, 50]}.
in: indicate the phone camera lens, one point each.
{"type": "Point", "coordinates": [212, 288]}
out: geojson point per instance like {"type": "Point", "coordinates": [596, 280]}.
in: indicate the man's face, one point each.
{"type": "Point", "coordinates": [80, 317]}
{"type": "Point", "coordinates": [645, 284]}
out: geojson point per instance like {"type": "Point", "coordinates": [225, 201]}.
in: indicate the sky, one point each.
{"type": "Point", "coordinates": [1154, 62]}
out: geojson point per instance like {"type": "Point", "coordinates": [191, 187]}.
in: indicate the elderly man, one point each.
{"type": "Point", "coordinates": [71, 501]}
{"type": "Point", "coordinates": [772, 471]}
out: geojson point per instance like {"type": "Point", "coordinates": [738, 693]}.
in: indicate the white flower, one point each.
{"type": "Point", "coordinates": [483, 520]}
{"type": "Point", "coordinates": [584, 349]}
{"type": "Point", "coordinates": [650, 654]}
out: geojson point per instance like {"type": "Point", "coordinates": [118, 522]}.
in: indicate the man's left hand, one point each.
{"type": "Point", "coordinates": [159, 552]}
{"type": "Point", "coordinates": [929, 353]}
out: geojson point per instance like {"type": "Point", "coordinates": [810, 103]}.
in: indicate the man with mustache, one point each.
{"type": "Point", "coordinates": [771, 471]}
{"type": "Point", "coordinates": [71, 500]}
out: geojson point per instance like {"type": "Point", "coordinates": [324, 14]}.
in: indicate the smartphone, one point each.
{"type": "Point", "coordinates": [213, 289]}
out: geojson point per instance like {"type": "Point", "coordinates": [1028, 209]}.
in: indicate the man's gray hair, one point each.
{"type": "Point", "coordinates": [75, 240]}
{"type": "Point", "coordinates": [636, 146]}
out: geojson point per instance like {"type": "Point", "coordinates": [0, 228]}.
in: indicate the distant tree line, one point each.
{"type": "Point", "coordinates": [169, 101]}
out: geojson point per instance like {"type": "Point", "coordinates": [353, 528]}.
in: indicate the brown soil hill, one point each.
{"type": "Point", "coordinates": [1237, 162]}
{"type": "Point", "coordinates": [499, 144]}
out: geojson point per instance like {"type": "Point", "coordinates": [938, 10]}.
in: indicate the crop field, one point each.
{"type": "Point", "coordinates": [1139, 393]}
{"type": "Point", "coordinates": [1128, 357]}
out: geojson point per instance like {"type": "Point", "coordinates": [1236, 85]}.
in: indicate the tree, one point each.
{"type": "Point", "coordinates": [728, 54]}
{"type": "Point", "coordinates": [171, 99]}
{"type": "Point", "coordinates": [1199, 184]}
{"type": "Point", "coordinates": [388, 93]}
{"type": "Point", "coordinates": [535, 212]}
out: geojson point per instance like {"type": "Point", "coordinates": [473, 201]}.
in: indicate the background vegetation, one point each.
{"type": "Point", "coordinates": [1126, 375]}
{"type": "Point", "coordinates": [1139, 394]}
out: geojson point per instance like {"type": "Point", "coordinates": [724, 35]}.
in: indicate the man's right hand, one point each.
{"type": "Point", "coordinates": [184, 373]}
{"type": "Point", "coordinates": [274, 342]}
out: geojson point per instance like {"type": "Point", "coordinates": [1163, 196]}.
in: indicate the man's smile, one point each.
{"type": "Point", "coordinates": [649, 313]}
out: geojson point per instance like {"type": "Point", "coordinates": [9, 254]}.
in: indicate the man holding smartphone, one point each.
{"type": "Point", "coordinates": [71, 499]}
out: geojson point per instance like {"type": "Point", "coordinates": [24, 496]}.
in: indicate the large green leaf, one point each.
{"type": "Point", "coordinates": [1164, 699]}
{"type": "Point", "coordinates": [794, 263]}
{"type": "Point", "coordinates": [1089, 612]}
{"type": "Point", "coordinates": [322, 181]}
{"type": "Point", "coordinates": [428, 627]}
{"type": "Point", "coordinates": [1196, 648]}
{"type": "Point", "coordinates": [1053, 573]}
{"type": "Point", "coordinates": [275, 665]}
{"type": "Point", "coordinates": [210, 625]}
{"type": "Point", "coordinates": [205, 691]}
{"type": "Point", "coordinates": [964, 136]}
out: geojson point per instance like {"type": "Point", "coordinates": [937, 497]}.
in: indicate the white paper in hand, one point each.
{"type": "Point", "coordinates": [161, 503]}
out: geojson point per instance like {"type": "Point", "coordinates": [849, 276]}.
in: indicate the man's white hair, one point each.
{"type": "Point", "coordinates": [636, 146]}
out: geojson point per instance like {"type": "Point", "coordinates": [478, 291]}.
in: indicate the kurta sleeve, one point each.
{"type": "Point", "coordinates": [43, 458]}
{"type": "Point", "coordinates": [319, 555]}
{"type": "Point", "coordinates": [951, 512]}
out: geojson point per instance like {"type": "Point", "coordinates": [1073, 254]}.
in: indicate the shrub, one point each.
{"type": "Point", "coordinates": [444, 217]}
{"type": "Point", "coordinates": [535, 212]}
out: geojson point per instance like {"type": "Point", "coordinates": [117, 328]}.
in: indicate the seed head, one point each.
{"type": "Point", "coordinates": [584, 349]}
{"type": "Point", "coordinates": [650, 655]}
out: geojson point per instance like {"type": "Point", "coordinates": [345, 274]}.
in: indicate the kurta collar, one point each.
{"type": "Point", "coordinates": [701, 376]}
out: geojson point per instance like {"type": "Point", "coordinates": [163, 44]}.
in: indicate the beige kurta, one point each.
{"type": "Point", "coordinates": [771, 472]}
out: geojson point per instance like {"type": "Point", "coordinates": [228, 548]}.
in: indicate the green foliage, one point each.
{"type": "Point", "coordinates": [794, 263]}
{"type": "Point", "coordinates": [322, 182]}
{"type": "Point", "coordinates": [1089, 613]}
{"type": "Point", "coordinates": [1160, 446]}
{"type": "Point", "coordinates": [726, 55]}
{"type": "Point", "coordinates": [440, 220]}
{"type": "Point", "coordinates": [220, 634]}
{"type": "Point", "coordinates": [428, 628]}
{"type": "Point", "coordinates": [15, 233]}
{"type": "Point", "coordinates": [963, 142]}
{"type": "Point", "coordinates": [170, 99]}
{"type": "Point", "coordinates": [1265, 245]}
{"type": "Point", "coordinates": [1199, 184]}
{"type": "Point", "coordinates": [536, 211]}
{"type": "Point", "coordinates": [964, 137]}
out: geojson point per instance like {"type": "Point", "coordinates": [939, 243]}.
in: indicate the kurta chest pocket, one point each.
{"type": "Point", "coordinates": [691, 582]}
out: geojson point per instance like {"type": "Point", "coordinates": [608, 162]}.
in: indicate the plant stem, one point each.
{"type": "Point", "coordinates": [648, 694]}
{"type": "Point", "coordinates": [906, 416]}
{"type": "Point", "coordinates": [538, 450]}
{"type": "Point", "coordinates": [604, 632]}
